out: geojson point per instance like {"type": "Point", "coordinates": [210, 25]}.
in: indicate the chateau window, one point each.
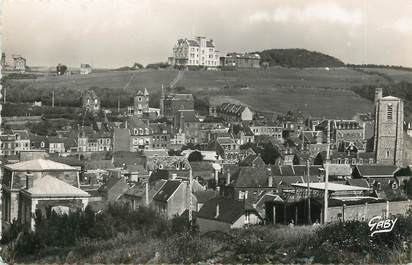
{"type": "Point", "coordinates": [389, 112]}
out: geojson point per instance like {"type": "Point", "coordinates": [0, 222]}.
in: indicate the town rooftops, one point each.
{"type": "Point", "coordinates": [180, 97]}
{"type": "Point", "coordinates": [223, 210]}
{"type": "Point", "coordinates": [167, 190]}
{"type": "Point", "coordinates": [207, 155]}
{"type": "Point", "coordinates": [49, 186]}
{"type": "Point", "coordinates": [99, 164]}
{"type": "Point", "coordinates": [167, 163]}
{"type": "Point", "coordinates": [40, 165]}
{"type": "Point", "coordinates": [205, 195]}
{"type": "Point", "coordinates": [331, 186]}
{"type": "Point", "coordinates": [202, 166]}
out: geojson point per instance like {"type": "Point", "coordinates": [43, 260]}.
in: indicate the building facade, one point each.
{"type": "Point", "coordinates": [242, 60]}
{"type": "Point", "coordinates": [200, 51]}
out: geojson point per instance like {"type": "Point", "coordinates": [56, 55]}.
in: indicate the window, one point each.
{"type": "Point", "coordinates": [387, 154]}
{"type": "Point", "coordinates": [389, 112]}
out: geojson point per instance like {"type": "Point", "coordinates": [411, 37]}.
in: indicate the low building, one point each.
{"type": "Point", "coordinates": [234, 113]}
{"type": "Point", "coordinates": [242, 60]}
{"type": "Point", "coordinates": [222, 214]}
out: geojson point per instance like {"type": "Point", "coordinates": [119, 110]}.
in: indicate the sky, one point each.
{"type": "Point", "coordinates": [114, 33]}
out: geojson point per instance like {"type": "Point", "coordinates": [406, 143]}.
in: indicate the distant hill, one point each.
{"type": "Point", "coordinates": [298, 58]}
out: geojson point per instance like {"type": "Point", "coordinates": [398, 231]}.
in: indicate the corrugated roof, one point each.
{"type": "Point", "coordinates": [376, 170]}
{"type": "Point", "coordinates": [40, 165]}
{"type": "Point", "coordinates": [49, 186]}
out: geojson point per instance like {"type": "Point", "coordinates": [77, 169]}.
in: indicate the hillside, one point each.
{"type": "Point", "coordinates": [316, 91]}
{"type": "Point", "coordinates": [299, 58]}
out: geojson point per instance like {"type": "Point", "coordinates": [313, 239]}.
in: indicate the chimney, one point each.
{"type": "Point", "coordinates": [270, 181]}
{"type": "Point", "coordinates": [29, 180]}
{"type": "Point", "coordinates": [228, 178]}
{"type": "Point", "coordinates": [217, 211]}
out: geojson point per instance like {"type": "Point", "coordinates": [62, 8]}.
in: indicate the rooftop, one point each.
{"type": "Point", "coordinates": [40, 165]}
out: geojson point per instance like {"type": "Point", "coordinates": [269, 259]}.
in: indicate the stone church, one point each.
{"type": "Point", "coordinates": [389, 116]}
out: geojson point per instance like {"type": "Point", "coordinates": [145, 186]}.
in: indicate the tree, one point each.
{"type": "Point", "coordinates": [195, 156]}
{"type": "Point", "coordinates": [61, 69]}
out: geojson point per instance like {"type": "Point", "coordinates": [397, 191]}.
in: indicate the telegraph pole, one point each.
{"type": "Point", "coordinates": [190, 198]}
{"type": "Point", "coordinates": [325, 211]}
{"type": "Point", "coordinates": [53, 98]}
{"type": "Point", "coordinates": [308, 181]}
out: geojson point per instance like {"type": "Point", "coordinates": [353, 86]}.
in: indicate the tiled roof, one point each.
{"type": "Point", "coordinates": [229, 210]}
{"type": "Point", "coordinates": [358, 182]}
{"type": "Point", "coordinates": [40, 165]}
{"type": "Point", "coordinates": [376, 170]}
{"type": "Point", "coordinates": [167, 190]}
{"type": "Point", "coordinates": [225, 140]}
{"type": "Point", "coordinates": [49, 186]}
{"type": "Point", "coordinates": [252, 177]}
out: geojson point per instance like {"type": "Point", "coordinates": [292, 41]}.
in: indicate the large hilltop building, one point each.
{"type": "Point", "coordinates": [389, 117]}
{"type": "Point", "coordinates": [200, 51]}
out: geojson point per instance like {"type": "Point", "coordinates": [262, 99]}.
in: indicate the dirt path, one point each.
{"type": "Point", "coordinates": [177, 79]}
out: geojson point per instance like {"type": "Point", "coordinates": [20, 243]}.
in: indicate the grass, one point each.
{"type": "Point", "coordinates": [315, 91]}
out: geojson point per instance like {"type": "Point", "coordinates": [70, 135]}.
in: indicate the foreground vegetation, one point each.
{"type": "Point", "coordinates": [119, 235]}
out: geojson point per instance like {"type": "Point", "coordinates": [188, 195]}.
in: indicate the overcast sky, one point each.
{"type": "Point", "coordinates": [112, 33]}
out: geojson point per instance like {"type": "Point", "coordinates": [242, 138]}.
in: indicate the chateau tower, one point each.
{"type": "Point", "coordinates": [389, 117]}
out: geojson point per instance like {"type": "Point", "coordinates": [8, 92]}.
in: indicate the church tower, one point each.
{"type": "Point", "coordinates": [141, 103]}
{"type": "Point", "coordinates": [389, 117]}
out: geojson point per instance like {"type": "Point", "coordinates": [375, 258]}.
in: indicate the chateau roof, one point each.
{"type": "Point", "coordinates": [49, 186]}
{"type": "Point", "coordinates": [40, 165]}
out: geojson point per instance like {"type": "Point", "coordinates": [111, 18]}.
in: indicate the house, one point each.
{"type": "Point", "coordinates": [96, 170]}
{"type": "Point", "coordinates": [227, 148]}
{"type": "Point", "coordinates": [85, 69]}
{"type": "Point", "coordinates": [269, 129]}
{"type": "Point", "coordinates": [223, 214]}
{"type": "Point", "coordinates": [242, 60]}
{"type": "Point", "coordinates": [252, 160]}
{"type": "Point", "coordinates": [91, 102]}
{"type": "Point", "coordinates": [136, 173]}
{"type": "Point", "coordinates": [7, 144]}
{"type": "Point", "coordinates": [47, 193]}
{"type": "Point", "coordinates": [200, 51]}
{"type": "Point", "coordinates": [205, 172]}
{"type": "Point", "coordinates": [139, 133]}
{"type": "Point", "coordinates": [234, 113]}
{"type": "Point", "coordinates": [22, 142]}
{"type": "Point", "coordinates": [18, 176]}
{"type": "Point", "coordinates": [171, 200]}
{"type": "Point", "coordinates": [142, 194]}
{"type": "Point", "coordinates": [161, 134]}
{"type": "Point", "coordinates": [114, 188]}
{"type": "Point", "coordinates": [178, 165]}
{"type": "Point", "coordinates": [387, 181]}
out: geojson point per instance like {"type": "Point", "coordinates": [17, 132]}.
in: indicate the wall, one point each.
{"type": "Point", "coordinates": [253, 219]}
{"type": "Point", "coordinates": [363, 211]}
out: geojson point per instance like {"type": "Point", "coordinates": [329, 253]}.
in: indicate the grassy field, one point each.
{"type": "Point", "coordinates": [396, 75]}
{"type": "Point", "coordinates": [315, 91]}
